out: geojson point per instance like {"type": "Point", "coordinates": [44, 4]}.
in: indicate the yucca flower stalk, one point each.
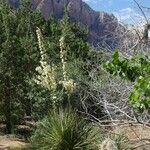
{"type": "Point", "coordinates": [47, 73]}
{"type": "Point", "coordinates": [68, 84]}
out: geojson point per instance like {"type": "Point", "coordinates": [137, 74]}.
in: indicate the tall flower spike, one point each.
{"type": "Point", "coordinates": [47, 74]}
{"type": "Point", "coordinates": [68, 84]}
{"type": "Point", "coordinates": [41, 45]}
{"type": "Point", "coordinates": [62, 57]}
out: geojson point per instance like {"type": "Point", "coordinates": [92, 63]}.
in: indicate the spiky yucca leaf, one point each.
{"type": "Point", "coordinates": [64, 130]}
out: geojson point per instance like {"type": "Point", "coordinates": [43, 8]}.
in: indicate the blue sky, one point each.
{"type": "Point", "coordinates": [123, 9]}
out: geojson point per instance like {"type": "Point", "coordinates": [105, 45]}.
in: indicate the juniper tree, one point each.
{"type": "Point", "coordinates": [75, 38]}
{"type": "Point", "coordinates": [74, 34]}
{"type": "Point", "coordinates": [18, 58]}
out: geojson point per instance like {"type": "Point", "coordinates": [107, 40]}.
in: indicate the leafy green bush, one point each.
{"type": "Point", "coordinates": [135, 69]}
{"type": "Point", "coordinates": [64, 130]}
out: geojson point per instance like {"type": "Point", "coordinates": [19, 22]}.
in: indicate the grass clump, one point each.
{"type": "Point", "coordinates": [64, 130]}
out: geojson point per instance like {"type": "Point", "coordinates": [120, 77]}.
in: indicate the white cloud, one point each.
{"type": "Point", "coordinates": [128, 15]}
{"type": "Point", "coordinates": [124, 14]}
{"type": "Point", "coordinates": [98, 1]}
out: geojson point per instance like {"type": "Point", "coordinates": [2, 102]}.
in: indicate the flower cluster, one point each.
{"type": "Point", "coordinates": [47, 73]}
{"type": "Point", "coordinates": [68, 84]}
{"type": "Point", "coordinates": [63, 57]}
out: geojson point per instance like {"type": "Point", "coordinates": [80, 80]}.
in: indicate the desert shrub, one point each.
{"type": "Point", "coordinates": [64, 130]}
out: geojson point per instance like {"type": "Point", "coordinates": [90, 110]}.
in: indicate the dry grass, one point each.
{"type": "Point", "coordinates": [138, 135]}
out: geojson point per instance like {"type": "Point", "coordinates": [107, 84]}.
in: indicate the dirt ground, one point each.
{"type": "Point", "coordinates": [11, 142]}
{"type": "Point", "coordinates": [138, 135]}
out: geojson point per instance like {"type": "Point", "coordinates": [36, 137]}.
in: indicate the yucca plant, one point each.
{"type": "Point", "coordinates": [64, 130]}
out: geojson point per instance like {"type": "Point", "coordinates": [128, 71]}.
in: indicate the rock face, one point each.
{"type": "Point", "coordinates": [14, 3]}
{"type": "Point", "coordinates": [101, 25]}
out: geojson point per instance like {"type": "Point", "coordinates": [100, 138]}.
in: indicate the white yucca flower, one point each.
{"type": "Point", "coordinates": [47, 73]}
{"type": "Point", "coordinates": [68, 84]}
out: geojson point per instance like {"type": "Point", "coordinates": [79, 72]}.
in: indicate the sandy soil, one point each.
{"type": "Point", "coordinates": [138, 135]}
{"type": "Point", "coordinates": [11, 142]}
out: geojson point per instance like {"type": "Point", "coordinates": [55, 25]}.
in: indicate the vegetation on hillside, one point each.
{"type": "Point", "coordinates": [59, 92]}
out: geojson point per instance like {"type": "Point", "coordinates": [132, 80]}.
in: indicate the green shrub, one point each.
{"type": "Point", "coordinates": [64, 130]}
